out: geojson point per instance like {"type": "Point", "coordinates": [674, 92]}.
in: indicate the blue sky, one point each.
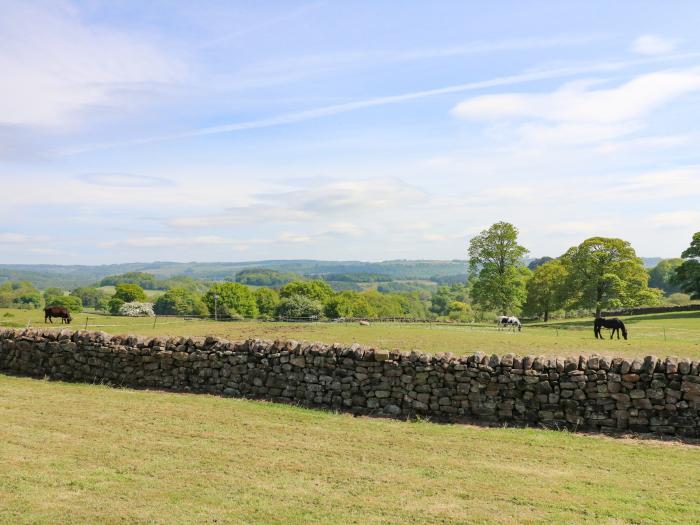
{"type": "Point", "coordinates": [139, 131]}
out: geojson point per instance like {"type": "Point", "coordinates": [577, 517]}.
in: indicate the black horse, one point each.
{"type": "Point", "coordinates": [614, 323]}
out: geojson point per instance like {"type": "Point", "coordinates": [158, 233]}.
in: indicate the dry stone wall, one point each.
{"type": "Point", "coordinates": [591, 393]}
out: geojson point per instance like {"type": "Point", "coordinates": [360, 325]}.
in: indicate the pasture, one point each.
{"type": "Point", "coordinates": [91, 454]}
{"type": "Point", "coordinates": [658, 334]}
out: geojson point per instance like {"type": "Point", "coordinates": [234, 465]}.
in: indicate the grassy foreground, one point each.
{"type": "Point", "coordinates": [657, 334]}
{"type": "Point", "coordinates": [90, 454]}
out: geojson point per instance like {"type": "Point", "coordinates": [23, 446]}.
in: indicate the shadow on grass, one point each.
{"type": "Point", "coordinates": [555, 426]}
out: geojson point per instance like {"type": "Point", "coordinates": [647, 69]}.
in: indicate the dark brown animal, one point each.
{"type": "Point", "coordinates": [57, 311]}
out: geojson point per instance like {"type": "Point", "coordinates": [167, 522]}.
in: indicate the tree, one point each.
{"type": "Point", "coordinates": [299, 307]}
{"type": "Point", "coordinates": [19, 294]}
{"type": "Point", "coordinates": [267, 300]}
{"type": "Point", "coordinates": [233, 299]}
{"type": "Point", "coordinates": [606, 273]}
{"type": "Point", "coordinates": [72, 303]}
{"type": "Point", "coordinates": [130, 293]}
{"type": "Point", "coordinates": [444, 296]}
{"type": "Point", "coordinates": [348, 304]}
{"type": "Point", "coordinates": [316, 290]}
{"type": "Point", "coordinates": [687, 275]}
{"type": "Point", "coordinates": [147, 281]}
{"type": "Point", "coordinates": [50, 293]}
{"type": "Point", "coordinates": [91, 297]}
{"type": "Point", "coordinates": [545, 289]}
{"type": "Point", "coordinates": [661, 275]}
{"type": "Point", "coordinates": [180, 301]}
{"type": "Point", "coordinates": [114, 305]}
{"type": "Point", "coordinates": [460, 311]}
{"type": "Point", "coordinates": [495, 261]}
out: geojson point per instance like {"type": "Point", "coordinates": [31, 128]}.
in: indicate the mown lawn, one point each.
{"type": "Point", "coordinates": [90, 454]}
{"type": "Point", "coordinates": [660, 335]}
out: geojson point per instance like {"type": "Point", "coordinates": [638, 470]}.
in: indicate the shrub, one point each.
{"type": "Point", "coordinates": [114, 305]}
{"type": "Point", "coordinates": [299, 306]}
{"type": "Point", "coordinates": [135, 309]}
{"type": "Point", "coordinates": [73, 304]}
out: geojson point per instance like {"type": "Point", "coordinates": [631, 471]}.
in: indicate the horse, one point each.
{"type": "Point", "coordinates": [511, 322]}
{"type": "Point", "coordinates": [57, 311]}
{"type": "Point", "coordinates": [614, 323]}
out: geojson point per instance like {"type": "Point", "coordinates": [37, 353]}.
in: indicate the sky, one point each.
{"type": "Point", "coordinates": [364, 130]}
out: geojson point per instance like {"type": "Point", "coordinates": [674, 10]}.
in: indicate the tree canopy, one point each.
{"type": "Point", "coordinates": [180, 301]}
{"type": "Point", "coordinates": [317, 290]}
{"type": "Point", "coordinates": [687, 275]}
{"type": "Point", "coordinates": [495, 262]}
{"type": "Point", "coordinates": [130, 293]}
{"type": "Point", "coordinates": [661, 276]}
{"type": "Point", "coordinates": [233, 299]}
{"type": "Point", "coordinates": [545, 289]}
{"type": "Point", "coordinates": [605, 272]}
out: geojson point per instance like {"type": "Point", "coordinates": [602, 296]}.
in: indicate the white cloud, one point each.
{"type": "Point", "coordinates": [581, 112]}
{"type": "Point", "coordinates": [55, 66]}
{"type": "Point", "coordinates": [332, 199]}
{"type": "Point", "coordinates": [653, 45]}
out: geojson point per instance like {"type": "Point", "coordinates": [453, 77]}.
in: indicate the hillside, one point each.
{"type": "Point", "coordinates": [72, 276]}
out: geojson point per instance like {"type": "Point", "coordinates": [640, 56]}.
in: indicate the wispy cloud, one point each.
{"type": "Point", "coordinates": [653, 45]}
{"type": "Point", "coordinates": [582, 112]}
{"type": "Point", "coordinates": [61, 67]}
{"type": "Point", "coordinates": [261, 25]}
{"type": "Point", "coordinates": [326, 111]}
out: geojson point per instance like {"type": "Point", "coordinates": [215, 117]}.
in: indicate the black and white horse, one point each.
{"type": "Point", "coordinates": [614, 323]}
{"type": "Point", "coordinates": [510, 322]}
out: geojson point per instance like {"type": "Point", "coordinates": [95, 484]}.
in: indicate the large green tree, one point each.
{"type": "Point", "coordinates": [605, 272]}
{"type": "Point", "coordinates": [687, 275]}
{"type": "Point", "coordinates": [130, 293]}
{"type": "Point", "coordinates": [180, 301]}
{"type": "Point", "coordinates": [267, 300]}
{"type": "Point", "coordinates": [495, 262]}
{"type": "Point", "coordinates": [545, 289]}
{"type": "Point", "coordinates": [231, 299]}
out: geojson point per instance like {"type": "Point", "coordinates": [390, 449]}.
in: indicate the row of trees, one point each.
{"type": "Point", "coordinates": [600, 273]}
{"type": "Point", "coordinates": [308, 299]}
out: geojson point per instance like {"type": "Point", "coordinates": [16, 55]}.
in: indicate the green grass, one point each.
{"type": "Point", "coordinates": [90, 454]}
{"type": "Point", "coordinates": [657, 334]}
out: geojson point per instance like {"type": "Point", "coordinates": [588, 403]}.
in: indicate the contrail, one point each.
{"type": "Point", "coordinates": [291, 118]}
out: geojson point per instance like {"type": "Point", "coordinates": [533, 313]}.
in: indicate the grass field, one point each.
{"type": "Point", "coordinates": [90, 454]}
{"type": "Point", "coordinates": [657, 334]}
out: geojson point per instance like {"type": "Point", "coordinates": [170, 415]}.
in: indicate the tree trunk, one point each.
{"type": "Point", "coordinates": [546, 316]}
{"type": "Point", "coordinates": [597, 310]}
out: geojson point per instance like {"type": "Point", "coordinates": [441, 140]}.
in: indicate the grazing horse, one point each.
{"type": "Point", "coordinates": [57, 311]}
{"type": "Point", "coordinates": [614, 323]}
{"type": "Point", "coordinates": [511, 322]}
